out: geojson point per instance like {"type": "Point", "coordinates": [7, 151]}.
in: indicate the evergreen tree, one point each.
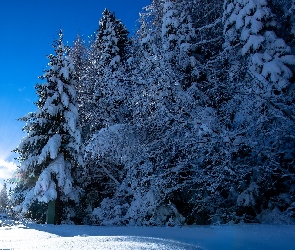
{"type": "Point", "coordinates": [159, 170]}
{"type": "Point", "coordinates": [3, 198]}
{"type": "Point", "coordinates": [50, 153]}
{"type": "Point", "coordinates": [260, 67]}
{"type": "Point", "coordinates": [251, 24]}
{"type": "Point", "coordinates": [85, 85]}
{"type": "Point", "coordinates": [204, 139]}
{"type": "Point", "coordinates": [109, 55]}
{"type": "Point", "coordinates": [191, 124]}
{"type": "Point", "coordinates": [170, 26]}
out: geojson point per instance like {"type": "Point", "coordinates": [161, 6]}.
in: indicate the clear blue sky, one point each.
{"type": "Point", "coordinates": [28, 28]}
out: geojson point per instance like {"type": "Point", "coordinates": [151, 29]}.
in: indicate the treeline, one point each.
{"type": "Point", "coordinates": [190, 121]}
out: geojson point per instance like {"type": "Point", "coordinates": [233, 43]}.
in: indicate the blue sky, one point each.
{"type": "Point", "coordinates": [28, 28]}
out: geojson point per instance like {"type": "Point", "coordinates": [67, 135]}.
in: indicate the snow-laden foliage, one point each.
{"type": "Point", "coordinates": [191, 121]}
{"type": "Point", "coordinates": [202, 139]}
{"type": "Point", "coordinates": [105, 90]}
{"type": "Point", "coordinates": [4, 201]}
{"type": "Point", "coordinates": [261, 77]}
{"type": "Point", "coordinates": [50, 153]}
{"type": "Point", "coordinates": [250, 22]}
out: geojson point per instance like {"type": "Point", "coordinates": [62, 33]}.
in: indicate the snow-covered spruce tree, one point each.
{"type": "Point", "coordinates": [262, 128]}
{"type": "Point", "coordinates": [4, 201]}
{"type": "Point", "coordinates": [111, 41]}
{"type": "Point", "coordinates": [125, 205]}
{"type": "Point", "coordinates": [110, 53]}
{"type": "Point", "coordinates": [150, 30]}
{"type": "Point", "coordinates": [110, 97]}
{"type": "Point", "coordinates": [170, 127]}
{"type": "Point", "coordinates": [170, 25]}
{"type": "Point", "coordinates": [187, 58]}
{"type": "Point", "coordinates": [172, 37]}
{"type": "Point", "coordinates": [189, 149]}
{"type": "Point", "coordinates": [78, 53]}
{"type": "Point", "coordinates": [252, 24]}
{"type": "Point", "coordinates": [85, 85]}
{"type": "Point", "coordinates": [108, 57]}
{"type": "Point", "coordinates": [49, 155]}
{"type": "Point", "coordinates": [178, 39]}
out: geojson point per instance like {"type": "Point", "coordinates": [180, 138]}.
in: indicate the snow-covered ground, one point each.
{"type": "Point", "coordinates": [33, 236]}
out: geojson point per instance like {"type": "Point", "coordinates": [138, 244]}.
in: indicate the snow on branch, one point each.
{"type": "Point", "coordinates": [51, 148]}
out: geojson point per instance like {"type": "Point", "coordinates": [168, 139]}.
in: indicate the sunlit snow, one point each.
{"type": "Point", "coordinates": [33, 236]}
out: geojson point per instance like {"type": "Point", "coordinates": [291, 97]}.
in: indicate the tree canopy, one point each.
{"type": "Point", "coordinates": [190, 121]}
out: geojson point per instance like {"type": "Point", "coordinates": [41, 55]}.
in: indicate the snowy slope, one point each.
{"type": "Point", "coordinates": [32, 236]}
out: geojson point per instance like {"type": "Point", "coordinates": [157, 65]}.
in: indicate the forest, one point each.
{"type": "Point", "coordinates": [190, 121]}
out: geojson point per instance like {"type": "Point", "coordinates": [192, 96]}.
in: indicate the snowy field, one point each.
{"type": "Point", "coordinates": [33, 236]}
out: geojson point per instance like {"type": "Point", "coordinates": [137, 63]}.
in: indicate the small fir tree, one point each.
{"type": "Point", "coordinates": [3, 198]}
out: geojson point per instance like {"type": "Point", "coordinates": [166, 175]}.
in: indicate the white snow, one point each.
{"type": "Point", "coordinates": [64, 72]}
{"type": "Point", "coordinates": [254, 42]}
{"type": "Point", "coordinates": [65, 99]}
{"type": "Point", "coordinates": [51, 148]}
{"type": "Point", "coordinates": [251, 237]}
{"type": "Point", "coordinates": [45, 188]}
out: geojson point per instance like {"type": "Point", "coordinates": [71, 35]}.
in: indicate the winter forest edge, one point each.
{"type": "Point", "coordinates": [190, 121]}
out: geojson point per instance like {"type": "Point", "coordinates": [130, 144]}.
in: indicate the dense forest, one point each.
{"type": "Point", "coordinates": [189, 121]}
